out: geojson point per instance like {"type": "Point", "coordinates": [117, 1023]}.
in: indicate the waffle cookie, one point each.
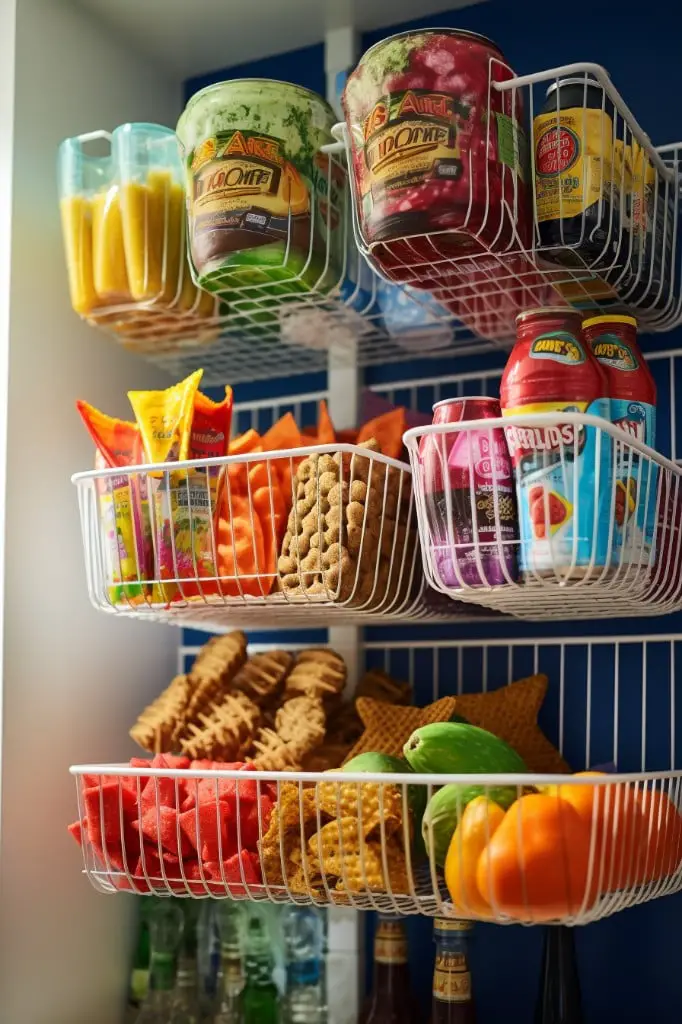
{"type": "Point", "coordinates": [302, 718]}
{"type": "Point", "coordinates": [262, 676]}
{"type": "Point", "coordinates": [224, 732]}
{"type": "Point", "coordinates": [214, 668]}
{"type": "Point", "coordinates": [375, 806]}
{"type": "Point", "coordinates": [156, 725]}
{"type": "Point", "coordinates": [317, 672]}
{"type": "Point", "coordinates": [340, 852]}
{"type": "Point", "coordinates": [283, 847]}
{"type": "Point", "coordinates": [346, 533]}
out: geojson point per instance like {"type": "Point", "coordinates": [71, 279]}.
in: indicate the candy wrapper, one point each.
{"type": "Point", "coordinates": [124, 515]}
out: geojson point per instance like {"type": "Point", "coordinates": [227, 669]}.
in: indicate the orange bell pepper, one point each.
{"type": "Point", "coordinates": [535, 867]}
{"type": "Point", "coordinates": [614, 817]}
{"type": "Point", "coordinates": [478, 823]}
{"type": "Point", "coordinates": [662, 835]}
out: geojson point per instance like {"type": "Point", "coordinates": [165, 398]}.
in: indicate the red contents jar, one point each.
{"type": "Point", "coordinates": [438, 153]}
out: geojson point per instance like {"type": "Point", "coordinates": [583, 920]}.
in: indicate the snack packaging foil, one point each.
{"type": "Point", "coordinates": [124, 515]}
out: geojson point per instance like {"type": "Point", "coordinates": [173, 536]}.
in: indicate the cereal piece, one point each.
{"type": "Point", "coordinates": [262, 675]}
{"type": "Point", "coordinates": [302, 718]}
{"type": "Point", "coordinates": [317, 672]}
{"type": "Point", "coordinates": [378, 685]}
{"type": "Point", "coordinates": [214, 668]}
{"type": "Point", "coordinates": [224, 732]}
{"type": "Point", "coordinates": [294, 819]}
{"type": "Point", "coordinates": [356, 877]}
{"type": "Point", "coordinates": [358, 865]}
{"type": "Point", "coordinates": [155, 727]}
{"type": "Point", "coordinates": [371, 804]}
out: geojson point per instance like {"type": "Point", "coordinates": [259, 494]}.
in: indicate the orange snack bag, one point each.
{"type": "Point", "coordinates": [388, 430]}
{"type": "Point", "coordinates": [283, 436]}
{"type": "Point", "coordinates": [165, 421]}
{"type": "Point", "coordinates": [123, 506]}
{"type": "Point", "coordinates": [325, 428]}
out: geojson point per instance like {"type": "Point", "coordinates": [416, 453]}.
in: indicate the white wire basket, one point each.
{"type": "Point", "coordinates": [278, 537]}
{"type": "Point", "coordinates": [595, 845]}
{"type": "Point", "coordinates": [587, 215]}
{"type": "Point", "coordinates": [582, 521]}
{"type": "Point", "coordinates": [129, 277]}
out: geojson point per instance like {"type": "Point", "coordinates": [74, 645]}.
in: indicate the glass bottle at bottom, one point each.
{"type": "Point", "coordinates": [165, 931]}
{"type": "Point", "coordinates": [230, 918]}
{"type": "Point", "coordinates": [390, 1001]}
{"type": "Point", "coordinates": [453, 1001]}
{"type": "Point", "coordinates": [260, 998]}
{"type": "Point", "coordinates": [559, 1000]}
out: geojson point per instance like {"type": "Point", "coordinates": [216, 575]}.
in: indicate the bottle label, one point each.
{"type": "Point", "coordinates": [390, 944]}
{"type": "Point", "coordinates": [612, 351]}
{"type": "Point", "coordinates": [563, 489]}
{"type": "Point", "coordinates": [451, 978]}
{"type": "Point", "coordinates": [575, 161]}
{"type": "Point", "coordinates": [560, 346]}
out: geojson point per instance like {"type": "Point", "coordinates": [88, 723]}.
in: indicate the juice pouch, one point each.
{"type": "Point", "coordinates": [165, 419]}
{"type": "Point", "coordinates": [194, 501]}
{"type": "Point", "coordinates": [123, 506]}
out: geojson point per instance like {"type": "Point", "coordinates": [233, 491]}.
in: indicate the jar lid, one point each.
{"type": "Point", "coordinates": [530, 314]}
{"type": "Point", "coordinates": [588, 83]}
{"type": "Point", "coordinates": [614, 319]}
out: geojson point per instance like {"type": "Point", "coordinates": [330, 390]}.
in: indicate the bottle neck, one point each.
{"type": "Point", "coordinates": [162, 972]}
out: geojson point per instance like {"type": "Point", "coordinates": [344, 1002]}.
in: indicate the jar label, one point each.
{"type": "Point", "coordinates": [409, 136]}
{"type": "Point", "coordinates": [577, 162]}
{"type": "Point", "coordinates": [240, 182]}
{"type": "Point", "coordinates": [451, 978]}
{"type": "Point", "coordinates": [560, 346]}
{"type": "Point", "coordinates": [613, 351]}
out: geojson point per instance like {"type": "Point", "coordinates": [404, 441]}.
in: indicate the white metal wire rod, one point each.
{"type": "Point", "coordinates": [234, 460]}
{"type": "Point", "coordinates": [541, 419]}
{"type": "Point", "coordinates": [604, 79]}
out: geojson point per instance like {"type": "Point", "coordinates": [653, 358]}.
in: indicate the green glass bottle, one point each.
{"type": "Point", "coordinates": [260, 999]}
{"type": "Point", "coordinates": [230, 916]}
{"type": "Point", "coordinates": [186, 995]}
{"type": "Point", "coordinates": [165, 930]}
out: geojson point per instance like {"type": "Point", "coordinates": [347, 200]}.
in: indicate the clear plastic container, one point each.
{"type": "Point", "coordinates": [265, 204]}
{"type": "Point", "coordinates": [123, 220]}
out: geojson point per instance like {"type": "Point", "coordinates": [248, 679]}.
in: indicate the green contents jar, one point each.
{"type": "Point", "coordinates": [264, 203]}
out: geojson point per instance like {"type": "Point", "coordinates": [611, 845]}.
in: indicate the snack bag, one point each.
{"type": "Point", "coordinates": [165, 420]}
{"type": "Point", "coordinates": [123, 506]}
{"type": "Point", "coordinates": [194, 501]}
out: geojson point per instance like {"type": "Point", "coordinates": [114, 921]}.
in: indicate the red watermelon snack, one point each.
{"type": "Point", "coordinates": [181, 833]}
{"type": "Point", "coordinates": [563, 471]}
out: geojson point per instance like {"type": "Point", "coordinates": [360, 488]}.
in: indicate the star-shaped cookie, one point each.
{"type": "Point", "coordinates": [512, 714]}
{"type": "Point", "coordinates": [388, 727]}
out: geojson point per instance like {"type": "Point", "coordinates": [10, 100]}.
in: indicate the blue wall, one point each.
{"type": "Point", "coordinates": [628, 963]}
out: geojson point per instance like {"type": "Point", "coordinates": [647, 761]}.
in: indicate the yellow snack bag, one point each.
{"type": "Point", "coordinates": [165, 419]}
{"type": "Point", "coordinates": [165, 422]}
